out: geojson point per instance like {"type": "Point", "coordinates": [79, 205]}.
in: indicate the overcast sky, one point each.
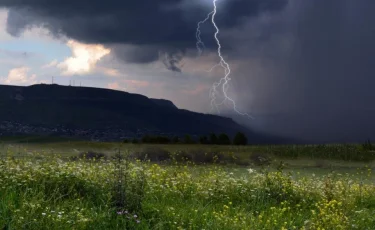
{"type": "Point", "coordinates": [301, 68]}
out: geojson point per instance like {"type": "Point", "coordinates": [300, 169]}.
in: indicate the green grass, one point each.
{"type": "Point", "coordinates": [48, 193]}
{"type": "Point", "coordinates": [41, 189]}
{"type": "Point", "coordinates": [69, 146]}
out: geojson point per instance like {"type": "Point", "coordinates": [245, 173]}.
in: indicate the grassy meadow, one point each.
{"type": "Point", "coordinates": [66, 184]}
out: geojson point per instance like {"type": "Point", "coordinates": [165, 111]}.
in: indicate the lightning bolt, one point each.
{"type": "Point", "coordinates": [200, 44]}
{"type": "Point", "coordinates": [223, 64]}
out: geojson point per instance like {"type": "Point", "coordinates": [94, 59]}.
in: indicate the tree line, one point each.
{"type": "Point", "coordinates": [212, 139]}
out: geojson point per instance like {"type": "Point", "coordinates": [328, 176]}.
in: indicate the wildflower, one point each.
{"type": "Point", "coordinates": [43, 214]}
{"type": "Point", "coordinates": [251, 171]}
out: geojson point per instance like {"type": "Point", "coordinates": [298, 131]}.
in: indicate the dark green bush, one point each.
{"type": "Point", "coordinates": [240, 139]}
{"type": "Point", "coordinates": [91, 155]}
{"type": "Point", "coordinates": [153, 154]}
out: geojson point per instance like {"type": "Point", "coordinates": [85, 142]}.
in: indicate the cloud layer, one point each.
{"type": "Point", "coordinates": [19, 76]}
{"type": "Point", "coordinates": [140, 28]}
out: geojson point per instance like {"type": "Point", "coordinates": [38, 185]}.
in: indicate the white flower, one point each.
{"type": "Point", "coordinates": [251, 171]}
{"type": "Point", "coordinates": [43, 214]}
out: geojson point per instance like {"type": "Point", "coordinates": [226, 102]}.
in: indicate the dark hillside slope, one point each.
{"type": "Point", "coordinates": [96, 109]}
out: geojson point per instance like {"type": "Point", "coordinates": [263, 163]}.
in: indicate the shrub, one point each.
{"type": "Point", "coordinates": [201, 157]}
{"type": "Point", "coordinates": [198, 157]}
{"type": "Point", "coordinates": [155, 139]}
{"type": "Point", "coordinates": [188, 140]}
{"type": "Point", "coordinates": [182, 156]}
{"type": "Point", "coordinates": [175, 140]}
{"type": "Point", "coordinates": [213, 139]}
{"type": "Point", "coordinates": [203, 140]}
{"type": "Point", "coordinates": [368, 146]}
{"type": "Point", "coordinates": [91, 155]}
{"type": "Point", "coordinates": [135, 141]}
{"type": "Point", "coordinates": [240, 139]}
{"type": "Point", "coordinates": [223, 139]}
{"type": "Point", "coordinates": [153, 154]}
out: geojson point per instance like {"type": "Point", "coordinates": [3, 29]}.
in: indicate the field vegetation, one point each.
{"type": "Point", "coordinates": [66, 184]}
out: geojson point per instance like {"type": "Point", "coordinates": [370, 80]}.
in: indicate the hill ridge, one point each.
{"type": "Point", "coordinates": [87, 108]}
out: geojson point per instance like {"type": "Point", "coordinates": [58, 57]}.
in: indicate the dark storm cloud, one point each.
{"type": "Point", "coordinates": [314, 76]}
{"type": "Point", "coordinates": [149, 23]}
{"type": "Point", "coordinates": [172, 61]}
{"type": "Point", "coordinates": [135, 54]}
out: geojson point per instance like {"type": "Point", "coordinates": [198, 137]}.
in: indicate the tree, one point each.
{"type": "Point", "coordinates": [203, 140]}
{"type": "Point", "coordinates": [175, 140]}
{"type": "Point", "coordinates": [162, 140]}
{"type": "Point", "coordinates": [146, 139]}
{"type": "Point", "coordinates": [155, 139]}
{"type": "Point", "coordinates": [240, 139]}
{"type": "Point", "coordinates": [213, 139]}
{"type": "Point", "coordinates": [188, 139]}
{"type": "Point", "coordinates": [223, 139]}
{"type": "Point", "coordinates": [135, 141]}
{"type": "Point", "coordinates": [368, 145]}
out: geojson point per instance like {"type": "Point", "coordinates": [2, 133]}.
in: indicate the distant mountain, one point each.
{"type": "Point", "coordinates": [165, 103]}
{"type": "Point", "coordinates": [56, 109]}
